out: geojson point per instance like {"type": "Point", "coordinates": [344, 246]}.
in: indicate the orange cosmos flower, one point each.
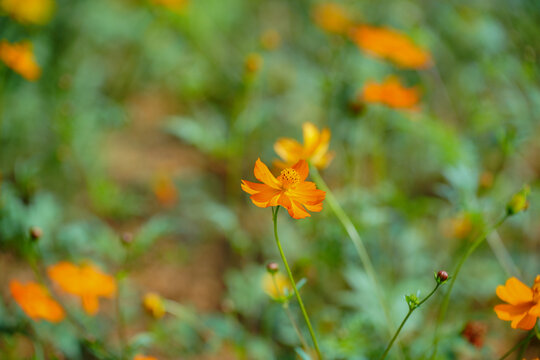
{"type": "Point", "coordinates": [523, 306]}
{"type": "Point", "coordinates": [331, 17]}
{"type": "Point", "coordinates": [36, 302]}
{"type": "Point", "coordinates": [315, 148]}
{"type": "Point", "coordinates": [143, 357]}
{"type": "Point", "coordinates": [29, 11]}
{"type": "Point", "coordinates": [164, 190]}
{"type": "Point", "coordinates": [177, 6]}
{"type": "Point", "coordinates": [389, 44]}
{"type": "Point", "coordinates": [289, 189]}
{"type": "Point", "coordinates": [85, 281]}
{"type": "Point", "coordinates": [391, 93]}
{"type": "Point", "coordinates": [20, 58]}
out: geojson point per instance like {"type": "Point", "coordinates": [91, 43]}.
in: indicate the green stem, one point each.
{"type": "Point", "coordinates": [524, 342]}
{"type": "Point", "coordinates": [293, 283]}
{"type": "Point", "coordinates": [444, 307]}
{"type": "Point", "coordinates": [411, 310]}
{"type": "Point", "coordinates": [357, 242]}
{"type": "Point", "coordinates": [285, 306]}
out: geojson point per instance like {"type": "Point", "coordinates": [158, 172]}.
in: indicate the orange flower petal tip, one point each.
{"type": "Point", "coordinates": [36, 302]}
{"type": "Point", "coordinates": [289, 189]}
{"type": "Point", "coordinates": [522, 306]}
{"type": "Point", "coordinates": [390, 44]}
{"type": "Point", "coordinates": [143, 357]}
{"type": "Point", "coordinates": [85, 281]}
{"type": "Point", "coordinates": [391, 93]}
{"type": "Point", "coordinates": [20, 58]}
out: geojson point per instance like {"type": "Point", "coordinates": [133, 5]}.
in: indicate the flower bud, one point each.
{"type": "Point", "coordinates": [441, 276]}
{"type": "Point", "coordinates": [519, 201]}
{"type": "Point", "coordinates": [126, 238]}
{"type": "Point", "coordinates": [36, 233]}
{"type": "Point", "coordinates": [272, 268]}
{"type": "Point", "coordinates": [253, 63]}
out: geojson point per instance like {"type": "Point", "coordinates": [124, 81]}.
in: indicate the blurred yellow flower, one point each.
{"type": "Point", "coordinates": [153, 303]}
{"type": "Point", "coordinates": [276, 285]}
{"type": "Point", "coordinates": [331, 17]}
{"type": "Point", "coordinates": [390, 93]}
{"type": "Point", "coordinates": [20, 58]}
{"type": "Point", "coordinates": [85, 281]}
{"type": "Point", "coordinates": [177, 6]}
{"type": "Point", "coordinates": [29, 11]}
{"type": "Point", "coordinates": [458, 227]}
{"type": "Point", "coordinates": [36, 302]}
{"type": "Point", "coordinates": [523, 303]}
{"type": "Point", "coordinates": [389, 44]}
{"type": "Point", "coordinates": [314, 149]}
{"type": "Point", "coordinates": [165, 190]}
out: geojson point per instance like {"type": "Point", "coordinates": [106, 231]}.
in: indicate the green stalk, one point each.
{"type": "Point", "coordinates": [411, 310]}
{"type": "Point", "coordinates": [293, 283]}
{"type": "Point", "coordinates": [357, 242]}
{"type": "Point", "coordinates": [523, 342]}
{"type": "Point", "coordinates": [285, 306]}
{"type": "Point", "coordinates": [444, 307]}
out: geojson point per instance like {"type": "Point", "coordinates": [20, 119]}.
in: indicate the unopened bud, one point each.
{"type": "Point", "coordinates": [253, 63]}
{"type": "Point", "coordinates": [519, 201]}
{"type": "Point", "coordinates": [36, 232]}
{"type": "Point", "coordinates": [441, 277]}
{"type": "Point", "coordinates": [272, 268]}
{"type": "Point", "coordinates": [126, 238]}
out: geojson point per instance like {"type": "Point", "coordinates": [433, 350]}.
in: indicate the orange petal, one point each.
{"type": "Point", "coordinates": [297, 211]}
{"type": "Point", "coordinates": [510, 312]}
{"type": "Point", "coordinates": [535, 310]}
{"type": "Point", "coordinates": [268, 198]}
{"type": "Point", "coordinates": [264, 175]}
{"type": "Point", "coordinates": [527, 323]}
{"type": "Point", "coordinates": [90, 304]}
{"type": "Point", "coordinates": [252, 188]}
{"type": "Point", "coordinates": [302, 168]}
{"type": "Point", "coordinates": [289, 150]}
{"type": "Point", "coordinates": [311, 138]}
{"type": "Point", "coordinates": [514, 292]}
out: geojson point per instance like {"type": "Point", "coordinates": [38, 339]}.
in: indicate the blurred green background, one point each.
{"type": "Point", "coordinates": [146, 118]}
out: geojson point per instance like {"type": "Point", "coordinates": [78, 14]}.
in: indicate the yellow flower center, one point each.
{"type": "Point", "coordinates": [289, 178]}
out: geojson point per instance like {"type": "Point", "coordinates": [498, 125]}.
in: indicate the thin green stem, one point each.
{"type": "Point", "coordinates": [285, 306]}
{"type": "Point", "coordinates": [411, 310]}
{"type": "Point", "coordinates": [524, 342]}
{"type": "Point", "coordinates": [293, 283]}
{"type": "Point", "coordinates": [444, 306]}
{"type": "Point", "coordinates": [357, 242]}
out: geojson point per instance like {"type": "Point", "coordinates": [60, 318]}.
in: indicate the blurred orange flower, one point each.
{"type": "Point", "coordinates": [389, 44]}
{"type": "Point", "coordinates": [314, 150]}
{"type": "Point", "coordinates": [143, 357]}
{"type": "Point", "coordinates": [36, 302]}
{"type": "Point", "coordinates": [331, 17]}
{"type": "Point", "coordinates": [164, 190]}
{"type": "Point", "coordinates": [85, 281]}
{"type": "Point", "coordinates": [523, 306]}
{"type": "Point", "coordinates": [289, 189]}
{"type": "Point", "coordinates": [29, 11]}
{"type": "Point", "coordinates": [270, 39]}
{"type": "Point", "coordinates": [153, 303]}
{"type": "Point", "coordinates": [391, 93]}
{"type": "Point", "coordinates": [20, 58]}
{"type": "Point", "coordinates": [177, 6]}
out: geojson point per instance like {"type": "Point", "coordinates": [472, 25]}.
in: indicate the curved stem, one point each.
{"type": "Point", "coordinates": [444, 307]}
{"type": "Point", "coordinates": [357, 242]}
{"type": "Point", "coordinates": [293, 283]}
{"type": "Point", "coordinates": [411, 310]}
{"type": "Point", "coordinates": [524, 342]}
